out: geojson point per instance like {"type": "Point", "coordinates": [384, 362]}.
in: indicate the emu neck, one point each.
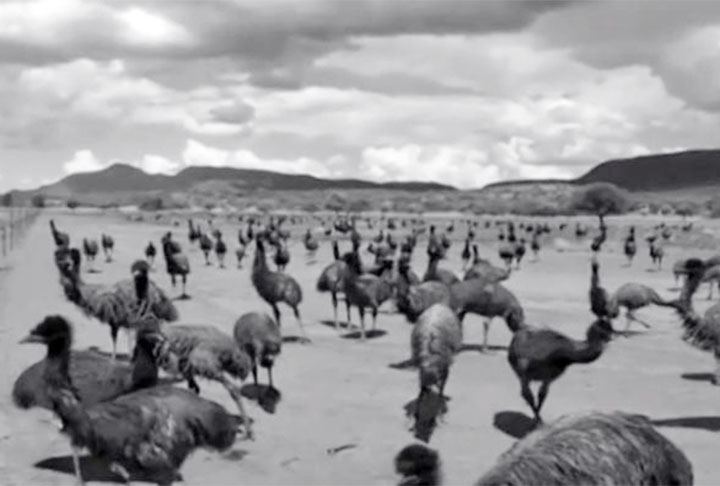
{"type": "Point", "coordinates": [145, 370]}
{"type": "Point", "coordinates": [336, 250]}
{"type": "Point", "coordinates": [62, 394]}
{"type": "Point", "coordinates": [691, 285]}
{"type": "Point", "coordinates": [142, 284]}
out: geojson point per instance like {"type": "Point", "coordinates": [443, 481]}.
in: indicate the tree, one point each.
{"type": "Point", "coordinates": [7, 200]}
{"type": "Point", "coordinates": [686, 208]}
{"type": "Point", "coordinates": [335, 202]}
{"type": "Point", "coordinates": [72, 204]}
{"type": "Point", "coordinates": [38, 201]}
{"type": "Point", "coordinates": [359, 205]}
{"type": "Point", "coordinates": [152, 204]}
{"type": "Point", "coordinates": [601, 199]}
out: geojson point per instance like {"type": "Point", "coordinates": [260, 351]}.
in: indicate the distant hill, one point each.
{"type": "Point", "coordinates": [122, 182]}
{"type": "Point", "coordinates": [657, 173]}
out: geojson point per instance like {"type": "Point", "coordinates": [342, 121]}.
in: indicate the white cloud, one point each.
{"type": "Point", "coordinates": [157, 164]}
{"type": "Point", "coordinates": [198, 154]}
{"type": "Point", "coordinates": [83, 161]}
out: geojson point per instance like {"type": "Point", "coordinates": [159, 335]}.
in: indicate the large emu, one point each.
{"type": "Point", "coordinates": [331, 280]}
{"type": "Point", "coordinates": [435, 340]}
{"type": "Point", "coordinates": [152, 430]}
{"type": "Point", "coordinates": [590, 448]}
{"type": "Point", "coordinates": [120, 305]}
{"type": "Point", "coordinates": [176, 261]}
{"type": "Point", "coordinates": [701, 332]}
{"type": "Point", "coordinates": [276, 287]}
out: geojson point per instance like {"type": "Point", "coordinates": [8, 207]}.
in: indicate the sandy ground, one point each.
{"type": "Point", "coordinates": [339, 391]}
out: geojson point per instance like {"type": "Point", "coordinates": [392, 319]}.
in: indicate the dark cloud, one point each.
{"type": "Point", "coordinates": [237, 113]}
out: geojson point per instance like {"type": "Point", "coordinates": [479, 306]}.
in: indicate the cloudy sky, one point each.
{"type": "Point", "coordinates": [465, 93]}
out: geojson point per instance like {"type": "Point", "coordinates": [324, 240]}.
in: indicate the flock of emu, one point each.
{"type": "Point", "coordinates": [123, 412]}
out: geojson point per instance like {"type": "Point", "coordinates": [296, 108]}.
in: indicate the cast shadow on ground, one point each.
{"type": "Point", "coordinates": [709, 423]}
{"type": "Point", "coordinates": [426, 415]}
{"type": "Point", "coordinates": [265, 396]}
{"type": "Point", "coordinates": [479, 348]}
{"type": "Point", "coordinates": [515, 424]}
{"type": "Point", "coordinates": [370, 334]}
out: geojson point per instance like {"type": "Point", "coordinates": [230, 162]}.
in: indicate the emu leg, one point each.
{"type": "Point", "coordinates": [184, 283]}
{"type": "Point", "coordinates": [172, 279]}
{"type": "Point", "coordinates": [486, 329]}
{"type": "Point", "coordinates": [76, 465]}
{"type": "Point", "coordinates": [254, 373]}
{"type": "Point", "coordinates": [347, 308]}
{"type": "Point", "coordinates": [113, 335]}
{"type": "Point", "coordinates": [237, 398]}
{"type": "Point", "coordinates": [276, 313]}
{"type": "Point", "coordinates": [631, 316]}
{"type": "Point", "coordinates": [361, 311]}
{"type": "Point", "coordinates": [710, 289]}
{"type": "Point", "coordinates": [374, 316]}
{"type": "Point", "coordinates": [716, 378]}
{"type": "Point", "coordinates": [335, 310]}
{"type": "Point", "coordinates": [270, 380]}
{"type": "Point", "coordinates": [542, 394]}
{"type": "Point", "coordinates": [192, 384]}
{"type": "Point", "coordinates": [526, 393]}
{"type": "Point", "coordinates": [304, 339]}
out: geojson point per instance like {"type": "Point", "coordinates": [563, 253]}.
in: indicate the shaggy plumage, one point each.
{"type": "Point", "coordinates": [419, 466]}
{"type": "Point", "coordinates": [150, 253]}
{"type": "Point", "coordinates": [210, 353]}
{"type": "Point", "coordinates": [276, 287]}
{"type": "Point", "coordinates": [364, 290]}
{"type": "Point", "coordinates": [120, 305]}
{"type": "Point", "coordinates": [599, 298]}
{"type": "Point", "coordinates": [633, 296]}
{"type": "Point", "coordinates": [592, 449]}
{"type": "Point", "coordinates": [483, 269]}
{"type": "Point", "coordinates": [433, 273]}
{"type": "Point", "coordinates": [206, 245]}
{"type": "Point", "coordinates": [542, 354]}
{"type": "Point", "coordinates": [96, 379]}
{"type": "Point", "coordinates": [108, 246]}
{"type": "Point", "coordinates": [62, 240]}
{"type": "Point", "coordinates": [176, 261]}
{"type": "Point", "coordinates": [258, 335]}
{"type": "Point", "coordinates": [488, 300]}
{"type": "Point", "coordinates": [701, 332]}
{"type": "Point", "coordinates": [153, 430]}
{"type": "Point", "coordinates": [435, 340]}
{"type": "Point", "coordinates": [90, 249]}
{"type": "Point", "coordinates": [331, 280]}
{"type": "Point", "coordinates": [412, 299]}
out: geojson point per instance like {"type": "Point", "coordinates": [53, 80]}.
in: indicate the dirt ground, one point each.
{"type": "Point", "coordinates": [339, 391]}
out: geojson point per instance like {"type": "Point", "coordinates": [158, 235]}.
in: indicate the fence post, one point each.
{"type": "Point", "coordinates": [4, 241]}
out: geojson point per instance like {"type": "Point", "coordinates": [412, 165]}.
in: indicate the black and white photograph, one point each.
{"type": "Point", "coordinates": [359, 242]}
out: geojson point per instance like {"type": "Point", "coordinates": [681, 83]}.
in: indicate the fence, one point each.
{"type": "Point", "coordinates": [14, 222]}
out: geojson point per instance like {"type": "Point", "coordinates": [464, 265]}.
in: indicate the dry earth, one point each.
{"type": "Point", "coordinates": [339, 391]}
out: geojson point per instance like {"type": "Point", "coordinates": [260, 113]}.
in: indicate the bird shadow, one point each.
{"type": "Point", "coordinates": [92, 469]}
{"type": "Point", "coordinates": [709, 423]}
{"type": "Point", "coordinates": [341, 324]}
{"type": "Point", "coordinates": [235, 455]}
{"type": "Point", "coordinates": [479, 348]}
{"type": "Point", "coordinates": [426, 414]}
{"type": "Point", "coordinates": [407, 364]}
{"type": "Point", "coordinates": [295, 339]}
{"type": "Point", "coordinates": [629, 333]}
{"type": "Point", "coordinates": [709, 377]}
{"type": "Point", "coordinates": [265, 396]}
{"type": "Point", "coordinates": [514, 424]}
{"type": "Point", "coordinates": [180, 298]}
{"type": "Point", "coordinates": [370, 334]}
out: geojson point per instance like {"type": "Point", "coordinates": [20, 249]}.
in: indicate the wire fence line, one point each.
{"type": "Point", "coordinates": [14, 223]}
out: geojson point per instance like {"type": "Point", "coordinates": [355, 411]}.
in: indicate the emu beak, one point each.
{"type": "Point", "coordinates": [32, 338]}
{"type": "Point", "coordinates": [136, 273]}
